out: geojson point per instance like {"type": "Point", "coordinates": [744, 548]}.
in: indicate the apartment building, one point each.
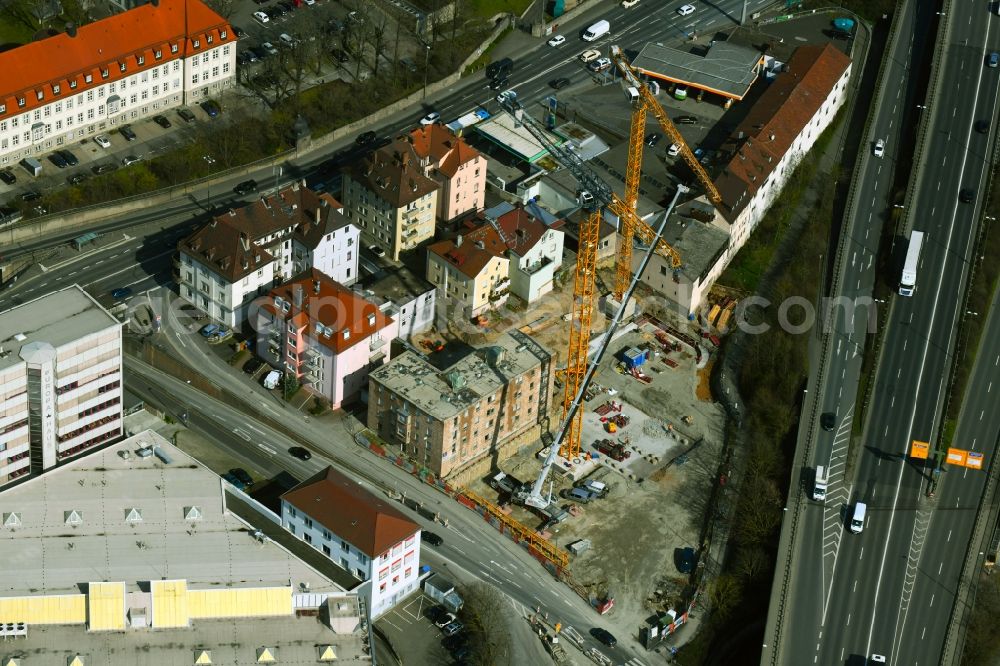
{"type": "Point", "coordinates": [403, 295]}
{"type": "Point", "coordinates": [388, 197]}
{"type": "Point", "coordinates": [240, 255]}
{"type": "Point", "coordinates": [60, 382]}
{"type": "Point", "coordinates": [58, 90]}
{"type": "Point", "coordinates": [359, 531]}
{"type": "Point", "coordinates": [323, 333]}
{"type": "Point", "coordinates": [478, 407]}
{"type": "Point", "coordinates": [534, 250]}
{"type": "Point", "coordinates": [472, 270]}
{"type": "Point", "coordinates": [459, 169]}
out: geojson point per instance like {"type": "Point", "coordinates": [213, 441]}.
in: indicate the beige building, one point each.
{"type": "Point", "coordinates": [445, 420]}
{"type": "Point", "coordinates": [472, 270]}
{"type": "Point", "coordinates": [388, 197]}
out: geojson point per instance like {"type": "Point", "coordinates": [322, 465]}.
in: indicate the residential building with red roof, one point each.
{"type": "Point", "coordinates": [223, 266]}
{"type": "Point", "coordinates": [90, 79]}
{"type": "Point", "coordinates": [388, 197]}
{"type": "Point", "coordinates": [324, 334]}
{"type": "Point", "coordinates": [360, 531]}
{"type": "Point", "coordinates": [534, 249]}
{"type": "Point", "coordinates": [458, 167]}
{"type": "Point", "coordinates": [472, 270]}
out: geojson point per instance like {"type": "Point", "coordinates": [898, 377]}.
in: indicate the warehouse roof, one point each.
{"type": "Point", "coordinates": [726, 69]}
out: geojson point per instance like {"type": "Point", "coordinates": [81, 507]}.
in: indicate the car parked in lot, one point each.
{"type": "Point", "coordinates": [653, 138]}
{"type": "Point", "coordinates": [243, 476]}
{"type": "Point", "coordinates": [246, 187]}
{"type": "Point", "coordinates": [674, 150]}
{"type": "Point", "coordinates": [58, 160]}
{"type": "Point", "coordinates": [590, 54]}
{"type": "Point", "coordinates": [209, 329]}
{"type": "Point", "coordinates": [185, 115]}
{"type": "Point", "coordinates": [126, 131]}
{"type": "Point", "coordinates": [8, 176]}
{"type": "Point", "coordinates": [129, 160]}
{"type": "Point", "coordinates": [261, 16]}
{"type": "Point", "coordinates": [31, 195]}
{"type": "Point", "coordinates": [211, 108]}
{"type": "Point", "coordinates": [453, 628]}
{"type": "Point", "coordinates": [162, 121]}
{"type": "Point", "coordinates": [102, 140]}
{"type": "Point", "coordinates": [104, 168]}
{"type": "Point", "coordinates": [77, 178]}
{"type": "Point", "coordinates": [376, 250]}
{"type": "Point", "coordinates": [252, 365]}
{"type": "Point", "coordinates": [300, 453]}
{"type": "Point", "coordinates": [686, 120]}
{"type": "Point", "coordinates": [340, 55]}
{"type": "Point", "coordinates": [685, 559]}
{"type": "Point", "coordinates": [69, 157]}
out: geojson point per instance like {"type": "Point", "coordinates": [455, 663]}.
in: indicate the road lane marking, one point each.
{"type": "Point", "coordinates": [940, 566]}
{"type": "Point", "coordinates": [932, 600]}
{"type": "Point", "coordinates": [949, 536]}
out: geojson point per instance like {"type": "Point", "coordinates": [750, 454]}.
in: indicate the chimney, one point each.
{"type": "Point", "coordinates": [71, 29]}
{"type": "Point", "coordinates": [297, 296]}
{"type": "Point", "coordinates": [317, 215]}
{"type": "Point", "coordinates": [316, 287]}
{"type": "Point", "coordinates": [481, 245]}
{"type": "Point", "coordinates": [458, 241]}
{"type": "Point", "coordinates": [244, 241]}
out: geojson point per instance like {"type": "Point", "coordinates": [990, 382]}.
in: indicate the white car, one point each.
{"type": "Point", "coordinates": [590, 54]}
{"type": "Point", "coordinates": [506, 95]}
{"type": "Point", "coordinates": [879, 148]}
{"type": "Point", "coordinates": [674, 150]}
{"type": "Point", "coordinates": [102, 140]}
{"type": "Point", "coordinates": [629, 3]}
{"type": "Point", "coordinates": [557, 40]}
{"type": "Point", "coordinates": [878, 659]}
{"type": "Point", "coordinates": [261, 16]}
{"type": "Point", "coordinates": [430, 118]}
{"type": "Point", "coordinates": [685, 10]}
{"type": "Point", "coordinates": [129, 160]}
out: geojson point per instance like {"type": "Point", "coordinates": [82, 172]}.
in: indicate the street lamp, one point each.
{"type": "Point", "coordinates": [427, 55]}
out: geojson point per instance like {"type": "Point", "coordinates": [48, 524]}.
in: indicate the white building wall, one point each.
{"type": "Point", "coordinates": [223, 301]}
{"type": "Point", "coordinates": [335, 256]}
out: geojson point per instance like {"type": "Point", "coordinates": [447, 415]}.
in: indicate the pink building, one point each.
{"type": "Point", "coordinates": [324, 334]}
{"type": "Point", "coordinates": [457, 166]}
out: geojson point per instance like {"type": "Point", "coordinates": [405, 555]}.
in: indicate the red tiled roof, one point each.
{"type": "Point", "coordinates": [226, 250]}
{"type": "Point", "coordinates": [394, 174]}
{"type": "Point", "coordinates": [770, 127]}
{"type": "Point", "coordinates": [521, 230]}
{"type": "Point", "coordinates": [328, 303]}
{"type": "Point", "coordinates": [469, 257]}
{"type": "Point", "coordinates": [350, 512]}
{"type": "Point", "coordinates": [446, 150]}
{"type": "Point", "coordinates": [104, 45]}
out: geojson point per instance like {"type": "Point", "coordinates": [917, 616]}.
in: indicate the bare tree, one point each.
{"type": "Point", "coordinates": [224, 8]}
{"type": "Point", "coordinates": [486, 622]}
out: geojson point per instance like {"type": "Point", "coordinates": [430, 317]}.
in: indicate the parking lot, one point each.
{"type": "Point", "coordinates": [411, 632]}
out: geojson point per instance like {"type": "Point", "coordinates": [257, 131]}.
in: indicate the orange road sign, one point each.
{"type": "Point", "coordinates": [957, 456]}
{"type": "Point", "coordinates": [974, 460]}
{"type": "Point", "coordinates": [919, 450]}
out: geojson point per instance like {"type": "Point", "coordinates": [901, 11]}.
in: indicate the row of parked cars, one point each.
{"type": "Point", "coordinates": [455, 640]}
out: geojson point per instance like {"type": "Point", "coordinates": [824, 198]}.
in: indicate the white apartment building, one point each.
{"type": "Point", "coordinates": [240, 255]}
{"type": "Point", "coordinates": [164, 54]}
{"type": "Point", "coordinates": [60, 382]}
{"type": "Point", "coordinates": [361, 532]}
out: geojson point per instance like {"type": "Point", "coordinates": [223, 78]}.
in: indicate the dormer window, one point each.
{"type": "Point", "coordinates": [141, 60]}
{"type": "Point", "coordinates": [197, 44]}
{"type": "Point", "coordinates": [371, 320]}
{"type": "Point", "coordinates": [209, 40]}
{"type": "Point", "coordinates": [20, 101]}
{"type": "Point", "coordinates": [224, 34]}
{"type": "Point", "coordinates": [104, 73]}
{"type": "Point", "coordinates": [72, 84]}
{"type": "Point", "coordinates": [55, 89]}
{"type": "Point", "coordinates": [347, 334]}
{"type": "Point", "coordinates": [121, 66]}
{"type": "Point", "coordinates": [40, 95]}
{"type": "Point", "coordinates": [3, 108]}
{"type": "Point", "coordinates": [173, 48]}
{"type": "Point", "coordinates": [158, 53]}
{"type": "Point", "coordinates": [87, 78]}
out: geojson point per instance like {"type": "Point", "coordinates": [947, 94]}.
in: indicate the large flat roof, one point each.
{"type": "Point", "coordinates": [52, 553]}
{"type": "Point", "coordinates": [57, 318]}
{"type": "Point", "coordinates": [503, 130]}
{"type": "Point", "coordinates": [726, 69]}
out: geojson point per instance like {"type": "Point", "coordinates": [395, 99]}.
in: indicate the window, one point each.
{"type": "Point", "coordinates": [197, 44]}
{"type": "Point", "coordinates": [88, 78]}
{"type": "Point", "coordinates": [173, 49]}
{"type": "Point", "coordinates": [141, 60]}
{"type": "Point", "coordinates": [3, 108]}
{"type": "Point", "coordinates": [72, 84]}
{"type": "Point", "coordinates": [224, 35]}
{"type": "Point", "coordinates": [215, 71]}
{"type": "Point", "coordinates": [194, 79]}
{"type": "Point", "coordinates": [104, 73]}
{"type": "Point", "coordinates": [55, 89]}
{"type": "Point", "coordinates": [20, 101]}
{"type": "Point", "coordinates": [225, 68]}
{"type": "Point", "coordinates": [90, 95]}
{"type": "Point", "coordinates": [158, 54]}
{"type": "Point", "coordinates": [209, 40]}
{"type": "Point", "coordinates": [215, 54]}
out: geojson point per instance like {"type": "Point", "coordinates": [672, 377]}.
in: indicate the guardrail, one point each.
{"type": "Point", "coordinates": [787, 540]}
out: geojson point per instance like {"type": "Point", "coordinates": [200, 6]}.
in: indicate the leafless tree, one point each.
{"type": "Point", "coordinates": [486, 621]}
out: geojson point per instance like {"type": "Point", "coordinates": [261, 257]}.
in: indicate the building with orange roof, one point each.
{"type": "Point", "coordinates": [458, 167]}
{"type": "Point", "coordinates": [223, 266]}
{"type": "Point", "coordinates": [388, 197]}
{"type": "Point", "coordinates": [472, 270]}
{"type": "Point", "coordinates": [324, 334]}
{"type": "Point", "coordinates": [360, 532]}
{"type": "Point", "coordinates": [90, 79]}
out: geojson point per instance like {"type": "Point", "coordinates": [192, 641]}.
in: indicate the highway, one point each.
{"type": "Point", "coordinates": [890, 589]}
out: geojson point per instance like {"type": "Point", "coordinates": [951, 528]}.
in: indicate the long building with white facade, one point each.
{"type": "Point", "coordinates": [90, 79]}
{"type": "Point", "coordinates": [60, 382]}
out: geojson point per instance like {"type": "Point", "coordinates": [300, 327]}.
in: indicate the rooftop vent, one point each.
{"type": "Point", "coordinates": [71, 29]}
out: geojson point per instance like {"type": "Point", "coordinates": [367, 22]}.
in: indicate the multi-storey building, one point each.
{"type": "Point", "coordinates": [459, 168]}
{"type": "Point", "coordinates": [60, 381]}
{"type": "Point", "coordinates": [242, 254]}
{"type": "Point", "coordinates": [472, 270]}
{"type": "Point", "coordinates": [404, 296]}
{"type": "Point", "coordinates": [359, 531]}
{"type": "Point", "coordinates": [89, 79]}
{"type": "Point", "coordinates": [534, 249]}
{"type": "Point", "coordinates": [387, 195]}
{"type": "Point", "coordinates": [477, 408]}
{"type": "Point", "coordinates": [324, 334]}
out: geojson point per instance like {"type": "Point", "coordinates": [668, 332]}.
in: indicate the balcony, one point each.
{"type": "Point", "coordinates": [376, 343]}
{"type": "Point", "coordinates": [537, 266]}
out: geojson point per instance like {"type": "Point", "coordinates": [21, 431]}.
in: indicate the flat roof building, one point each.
{"type": "Point", "coordinates": [727, 70]}
{"type": "Point", "coordinates": [61, 381]}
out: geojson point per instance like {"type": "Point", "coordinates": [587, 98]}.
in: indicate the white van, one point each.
{"type": "Point", "coordinates": [632, 94]}
{"type": "Point", "coordinates": [819, 485]}
{"type": "Point", "coordinates": [596, 31]}
{"type": "Point", "coordinates": [858, 519]}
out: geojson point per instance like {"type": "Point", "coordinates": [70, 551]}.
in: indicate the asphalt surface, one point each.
{"type": "Point", "coordinates": [890, 590]}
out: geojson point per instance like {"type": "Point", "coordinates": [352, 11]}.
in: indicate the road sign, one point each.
{"type": "Point", "coordinates": [974, 460]}
{"type": "Point", "coordinates": [957, 456]}
{"type": "Point", "coordinates": [919, 450]}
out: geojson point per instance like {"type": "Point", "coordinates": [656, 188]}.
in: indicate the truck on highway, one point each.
{"type": "Point", "coordinates": [820, 483]}
{"type": "Point", "coordinates": [596, 31]}
{"type": "Point", "coordinates": [908, 281]}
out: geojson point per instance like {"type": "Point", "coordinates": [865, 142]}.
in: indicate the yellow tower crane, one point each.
{"type": "Point", "coordinates": [631, 224]}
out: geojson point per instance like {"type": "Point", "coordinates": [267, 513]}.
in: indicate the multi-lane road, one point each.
{"type": "Point", "coordinates": [890, 590]}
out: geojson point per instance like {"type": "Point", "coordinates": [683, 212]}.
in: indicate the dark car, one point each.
{"type": "Point", "coordinates": [246, 187]}
{"type": "Point", "coordinates": [685, 559]}
{"type": "Point", "coordinates": [242, 475]}
{"type": "Point", "coordinates": [340, 55]}
{"type": "Point", "coordinates": [121, 293]}
{"type": "Point", "coordinates": [559, 83]}
{"type": "Point", "coordinates": [185, 115]}
{"type": "Point", "coordinates": [162, 121]}
{"type": "Point", "coordinates": [653, 138]}
{"type": "Point", "coordinates": [300, 453]}
{"type": "Point", "coordinates": [431, 538]}
{"type": "Point", "coordinates": [252, 366]}
{"type": "Point", "coordinates": [210, 107]}
{"type": "Point", "coordinates": [58, 160]}
{"type": "Point", "coordinates": [78, 178]}
{"type": "Point", "coordinates": [452, 643]}
{"type": "Point", "coordinates": [686, 120]}
{"type": "Point", "coordinates": [259, 52]}
{"type": "Point", "coordinates": [240, 32]}
{"type": "Point", "coordinates": [499, 84]}
{"type": "Point", "coordinates": [104, 168]}
{"type": "Point", "coordinates": [966, 196]}
{"type": "Point", "coordinates": [502, 67]}
{"type": "Point", "coordinates": [365, 138]}
{"type": "Point", "coordinates": [228, 476]}
{"type": "Point", "coordinates": [287, 6]}
{"type": "Point", "coordinates": [126, 131]}
{"type": "Point", "coordinates": [69, 157]}
{"type": "Point", "coordinates": [435, 613]}
{"type": "Point", "coordinates": [31, 195]}
{"type": "Point", "coordinates": [828, 420]}
{"type": "Point", "coordinates": [604, 636]}
{"type": "Point", "coordinates": [453, 628]}
{"type": "Point", "coordinates": [982, 126]}
{"type": "Point", "coordinates": [8, 176]}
